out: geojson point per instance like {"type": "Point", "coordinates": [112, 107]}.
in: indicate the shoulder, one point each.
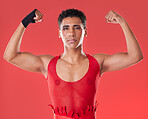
{"type": "Point", "coordinates": [100, 57]}
{"type": "Point", "coordinates": [46, 58]}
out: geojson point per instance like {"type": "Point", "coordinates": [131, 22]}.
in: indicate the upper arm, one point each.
{"type": "Point", "coordinates": [31, 62]}
{"type": "Point", "coordinates": [116, 61]}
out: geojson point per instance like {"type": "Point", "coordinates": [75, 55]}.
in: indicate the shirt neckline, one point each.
{"type": "Point", "coordinates": [80, 78]}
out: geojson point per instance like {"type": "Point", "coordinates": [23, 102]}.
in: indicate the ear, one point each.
{"type": "Point", "coordinates": [85, 31]}
{"type": "Point", "coordinates": [59, 33]}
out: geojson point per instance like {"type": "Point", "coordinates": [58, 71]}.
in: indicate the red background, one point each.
{"type": "Point", "coordinates": [122, 94]}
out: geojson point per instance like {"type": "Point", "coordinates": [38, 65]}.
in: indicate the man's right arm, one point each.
{"type": "Point", "coordinates": [25, 60]}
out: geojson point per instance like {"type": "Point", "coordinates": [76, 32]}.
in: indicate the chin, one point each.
{"type": "Point", "coordinates": [71, 46]}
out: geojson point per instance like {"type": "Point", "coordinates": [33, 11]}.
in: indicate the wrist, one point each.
{"type": "Point", "coordinates": [122, 21]}
{"type": "Point", "coordinates": [29, 18]}
{"type": "Point", "coordinates": [21, 24]}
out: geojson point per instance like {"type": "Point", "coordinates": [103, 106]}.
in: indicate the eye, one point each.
{"type": "Point", "coordinates": [77, 27]}
{"type": "Point", "coordinates": [65, 28]}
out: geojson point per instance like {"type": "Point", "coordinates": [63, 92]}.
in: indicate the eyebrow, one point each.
{"type": "Point", "coordinates": [68, 25]}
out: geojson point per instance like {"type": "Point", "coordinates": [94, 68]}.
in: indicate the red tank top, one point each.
{"type": "Point", "coordinates": [74, 99]}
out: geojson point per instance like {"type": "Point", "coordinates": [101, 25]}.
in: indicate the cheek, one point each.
{"type": "Point", "coordinates": [80, 33]}
{"type": "Point", "coordinates": [63, 34]}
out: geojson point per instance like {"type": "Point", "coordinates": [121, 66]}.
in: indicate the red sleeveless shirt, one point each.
{"type": "Point", "coordinates": [74, 99]}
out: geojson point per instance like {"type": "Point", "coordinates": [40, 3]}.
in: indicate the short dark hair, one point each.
{"type": "Point", "coordinates": [72, 13]}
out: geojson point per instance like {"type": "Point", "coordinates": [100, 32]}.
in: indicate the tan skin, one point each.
{"type": "Point", "coordinates": [73, 63]}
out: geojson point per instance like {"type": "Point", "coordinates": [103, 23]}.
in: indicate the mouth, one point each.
{"type": "Point", "coordinates": [72, 40]}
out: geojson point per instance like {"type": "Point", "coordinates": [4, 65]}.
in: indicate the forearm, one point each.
{"type": "Point", "coordinates": [133, 47]}
{"type": "Point", "coordinates": [13, 46]}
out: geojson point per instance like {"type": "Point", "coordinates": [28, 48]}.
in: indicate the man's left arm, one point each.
{"type": "Point", "coordinates": [121, 60]}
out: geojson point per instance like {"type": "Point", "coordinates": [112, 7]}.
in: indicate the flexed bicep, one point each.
{"type": "Point", "coordinates": [116, 61]}
{"type": "Point", "coordinates": [28, 61]}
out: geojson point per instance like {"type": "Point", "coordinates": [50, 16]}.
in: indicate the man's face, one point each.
{"type": "Point", "coordinates": [72, 31]}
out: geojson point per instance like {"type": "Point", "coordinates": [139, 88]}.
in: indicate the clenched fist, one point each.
{"type": "Point", "coordinates": [113, 17]}
{"type": "Point", "coordinates": [38, 16]}
{"type": "Point", "coordinates": [34, 17]}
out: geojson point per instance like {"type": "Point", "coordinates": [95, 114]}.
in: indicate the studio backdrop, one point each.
{"type": "Point", "coordinates": [122, 94]}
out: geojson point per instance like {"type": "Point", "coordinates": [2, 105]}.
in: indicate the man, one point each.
{"type": "Point", "coordinates": [73, 76]}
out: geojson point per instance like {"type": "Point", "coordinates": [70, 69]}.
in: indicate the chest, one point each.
{"type": "Point", "coordinates": [72, 72]}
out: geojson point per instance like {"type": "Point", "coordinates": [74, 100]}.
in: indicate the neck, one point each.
{"type": "Point", "coordinates": [73, 55]}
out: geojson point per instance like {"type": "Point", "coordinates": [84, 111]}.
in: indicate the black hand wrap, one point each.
{"type": "Point", "coordinates": [29, 18]}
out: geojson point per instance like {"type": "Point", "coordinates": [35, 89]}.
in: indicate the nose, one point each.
{"type": "Point", "coordinates": [71, 32]}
